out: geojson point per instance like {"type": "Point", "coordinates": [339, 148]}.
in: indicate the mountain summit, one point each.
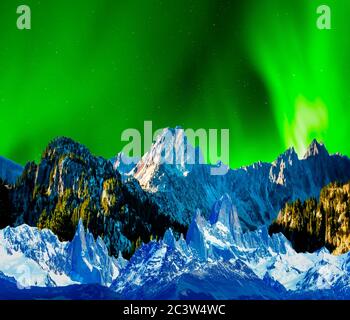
{"type": "Point", "coordinates": [316, 149]}
{"type": "Point", "coordinates": [70, 184]}
{"type": "Point", "coordinates": [75, 196]}
{"type": "Point", "coordinates": [225, 212]}
{"type": "Point", "coordinates": [258, 191]}
{"type": "Point", "coordinates": [171, 152]}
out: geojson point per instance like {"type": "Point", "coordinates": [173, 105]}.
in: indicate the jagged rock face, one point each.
{"type": "Point", "coordinates": [312, 225]}
{"type": "Point", "coordinates": [212, 263]}
{"type": "Point", "coordinates": [69, 183]}
{"type": "Point", "coordinates": [224, 212]}
{"type": "Point", "coordinates": [259, 191]}
{"type": "Point", "coordinates": [124, 164]}
{"type": "Point", "coordinates": [37, 258]}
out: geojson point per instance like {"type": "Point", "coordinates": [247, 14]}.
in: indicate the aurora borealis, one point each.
{"type": "Point", "coordinates": [90, 69]}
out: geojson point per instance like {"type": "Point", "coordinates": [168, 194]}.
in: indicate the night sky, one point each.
{"type": "Point", "coordinates": [90, 69]}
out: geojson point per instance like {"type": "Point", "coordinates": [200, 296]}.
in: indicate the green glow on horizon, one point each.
{"type": "Point", "coordinates": [92, 68]}
{"type": "Point", "coordinates": [310, 120]}
{"type": "Point", "coordinates": [305, 69]}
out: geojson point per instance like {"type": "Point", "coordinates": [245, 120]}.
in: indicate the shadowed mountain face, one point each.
{"type": "Point", "coordinates": [314, 224]}
{"type": "Point", "coordinates": [5, 215]}
{"type": "Point", "coordinates": [258, 191]}
{"type": "Point", "coordinates": [69, 183]}
{"type": "Point", "coordinates": [9, 171]}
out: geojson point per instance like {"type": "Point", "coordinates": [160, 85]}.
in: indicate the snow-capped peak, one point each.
{"type": "Point", "coordinates": [290, 156]}
{"type": "Point", "coordinates": [124, 164]}
{"type": "Point", "coordinates": [226, 213]}
{"type": "Point", "coordinates": [37, 258]}
{"type": "Point", "coordinates": [258, 191]}
{"type": "Point", "coordinates": [316, 149]}
{"type": "Point", "coordinates": [79, 237]}
{"type": "Point", "coordinates": [90, 260]}
{"type": "Point", "coordinates": [195, 235]}
{"type": "Point", "coordinates": [159, 269]}
{"type": "Point", "coordinates": [169, 238]}
{"type": "Point", "coordinates": [171, 151]}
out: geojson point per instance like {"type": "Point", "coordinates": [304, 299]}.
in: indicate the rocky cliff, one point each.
{"type": "Point", "coordinates": [70, 184]}
{"type": "Point", "coordinates": [312, 224]}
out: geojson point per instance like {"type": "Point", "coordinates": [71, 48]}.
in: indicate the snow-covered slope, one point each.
{"type": "Point", "coordinates": [9, 171]}
{"type": "Point", "coordinates": [215, 261]}
{"type": "Point", "coordinates": [123, 164]}
{"type": "Point", "coordinates": [218, 261]}
{"type": "Point", "coordinates": [11, 290]}
{"type": "Point", "coordinates": [258, 191]}
{"type": "Point", "coordinates": [36, 257]}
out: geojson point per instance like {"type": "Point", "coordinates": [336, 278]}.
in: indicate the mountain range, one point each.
{"type": "Point", "coordinates": [258, 191]}
{"type": "Point", "coordinates": [37, 258]}
{"type": "Point", "coordinates": [70, 184]}
{"type": "Point", "coordinates": [216, 260]}
{"type": "Point", "coordinates": [70, 221]}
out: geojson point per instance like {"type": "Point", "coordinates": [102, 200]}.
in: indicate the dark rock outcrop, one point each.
{"type": "Point", "coordinates": [70, 183]}
{"type": "Point", "coordinates": [312, 224]}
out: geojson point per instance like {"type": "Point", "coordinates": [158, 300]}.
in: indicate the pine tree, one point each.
{"type": "Point", "coordinates": [44, 221]}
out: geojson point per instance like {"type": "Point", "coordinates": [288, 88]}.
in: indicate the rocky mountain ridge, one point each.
{"type": "Point", "coordinates": [258, 191]}
{"type": "Point", "coordinates": [70, 184]}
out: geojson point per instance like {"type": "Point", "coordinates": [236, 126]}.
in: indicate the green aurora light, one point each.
{"type": "Point", "coordinates": [305, 69]}
{"type": "Point", "coordinates": [90, 69]}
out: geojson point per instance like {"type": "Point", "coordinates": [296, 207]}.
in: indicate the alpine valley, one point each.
{"type": "Point", "coordinates": [77, 226]}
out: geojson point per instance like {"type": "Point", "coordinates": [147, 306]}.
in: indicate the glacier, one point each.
{"type": "Point", "coordinates": [216, 260]}
{"type": "Point", "coordinates": [37, 258]}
